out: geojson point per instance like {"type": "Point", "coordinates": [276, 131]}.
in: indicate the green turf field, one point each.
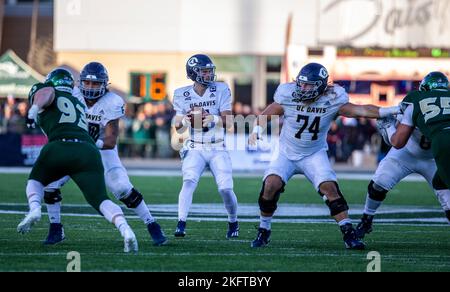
{"type": "Point", "coordinates": [416, 238]}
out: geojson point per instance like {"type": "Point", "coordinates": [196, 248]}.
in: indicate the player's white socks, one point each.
{"type": "Point", "coordinates": [231, 204]}
{"type": "Point", "coordinates": [54, 212]}
{"type": "Point", "coordinates": [444, 198]}
{"type": "Point", "coordinates": [114, 214]}
{"type": "Point", "coordinates": [144, 213]}
{"type": "Point", "coordinates": [35, 194]}
{"type": "Point", "coordinates": [371, 206]}
{"type": "Point", "coordinates": [185, 199]}
{"type": "Point", "coordinates": [345, 221]}
{"type": "Point", "coordinates": [265, 222]}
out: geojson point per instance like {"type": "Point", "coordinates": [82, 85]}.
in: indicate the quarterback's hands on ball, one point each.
{"type": "Point", "coordinates": [387, 127]}
{"type": "Point", "coordinates": [210, 120]}
{"type": "Point", "coordinates": [186, 121]}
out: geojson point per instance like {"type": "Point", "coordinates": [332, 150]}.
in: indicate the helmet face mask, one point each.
{"type": "Point", "coordinates": [200, 69]}
{"type": "Point", "coordinates": [433, 81]}
{"type": "Point", "coordinates": [61, 79]}
{"type": "Point", "coordinates": [93, 81]}
{"type": "Point", "coordinates": [311, 81]}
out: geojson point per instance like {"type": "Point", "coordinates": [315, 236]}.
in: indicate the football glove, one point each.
{"type": "Point", "coordinates": [387, 127]}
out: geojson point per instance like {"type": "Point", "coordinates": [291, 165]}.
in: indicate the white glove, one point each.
{"type": "Point", "coordinates": [387, 128]}
{"type": "Point", "coordinates": [255, 135]}
{"type": "Point", "coordinates": [186, 121]}
{"type": "Point", "coordinates": [210, 120]}
{"type": "Point", "coordinates": [33, 112]}
{"type": "Point", "coordinates": [389, 111]}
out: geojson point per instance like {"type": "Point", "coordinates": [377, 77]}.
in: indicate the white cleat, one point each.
{"type": "Point", "coordinates": [130, 241]}
{"type": "Point", "coordinates": [30, 219]}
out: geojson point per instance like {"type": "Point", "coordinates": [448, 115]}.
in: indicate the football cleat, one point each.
{"type": "Point", "coordinates": [30, 219]}
{"type": "Point", "coordinates": [129, 240]}
{"type": "Point", "coordinates": [350, 239]}
{"type": "Point", "coordinates": [262, 239]}
{"type": "Point", "coordinates": [233, 230]}
{"type": "Point", "coordinates": [179, 231]}
{"type": "Point", "coordinates": [55, 234]}
{"type": "Point", "coordinates": [157, 234]}
{"type": "Point", "coordinates": [364, 227]}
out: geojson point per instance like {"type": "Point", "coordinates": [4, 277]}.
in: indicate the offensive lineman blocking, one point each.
{"type": "Point", "coordinates": [309, 106]}
{"type": "Point", "coordinates": [415, 157]}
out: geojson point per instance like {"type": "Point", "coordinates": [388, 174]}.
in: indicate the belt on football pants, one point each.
{"type": "Point", "coordinates": [210, 142]}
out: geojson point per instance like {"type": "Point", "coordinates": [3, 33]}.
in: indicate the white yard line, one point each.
{"type": "Point", "coordinates": [256, 220]}
{"type": "Point", "coordinates": [177, 173]}
{"type": "Point", "coordinates": [248, 209]}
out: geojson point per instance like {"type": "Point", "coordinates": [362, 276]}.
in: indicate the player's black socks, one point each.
{"type": "Point", "coordinates": [367, 218]}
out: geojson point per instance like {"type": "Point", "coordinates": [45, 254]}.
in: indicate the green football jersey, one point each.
{"type": "Point", "coordinates": [64, 118]}
{"type": "Point", "coordinates": [431, 110]}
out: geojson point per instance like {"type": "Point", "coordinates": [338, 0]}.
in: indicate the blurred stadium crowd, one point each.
{"type": "Point", "coordinates": [146, 128]}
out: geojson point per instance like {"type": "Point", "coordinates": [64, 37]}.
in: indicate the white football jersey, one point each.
{"type": "Point", "coordinates": [419, 146]}
{"type": "Point", "coordinates": [216, 99]}
{"type": "Point", "coordinates": [108, 107]}
{"type": "Point", "coordinates": [306, 126]}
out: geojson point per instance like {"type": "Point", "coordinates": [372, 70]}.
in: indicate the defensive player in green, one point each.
{"type": "Point", "coordinates": [429, 110]}
{"type": "Point", "coordinates": [70, 151]}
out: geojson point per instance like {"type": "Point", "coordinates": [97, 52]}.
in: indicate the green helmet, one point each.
{"type": "Point", "coordinates": [434, 80]}
{"type": "Point", "coordinates": [61, 79]}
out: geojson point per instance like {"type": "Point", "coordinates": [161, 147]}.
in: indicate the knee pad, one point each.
{"type": "Point", "coordinates": [52, 197]}
{"type": "Point", "coordinates": [133, 199]}
{"type": "Point", "coordinates": [269, 206]}
{"type": "Point", "coordinates": [337, 206]}
{"type": "Point", "coordinates": [376, 192]}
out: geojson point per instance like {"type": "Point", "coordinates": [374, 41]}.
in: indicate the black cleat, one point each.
{"type": "Point", "coordinates": [55, 234]}
{"type": "Point", "coordinates": [233, 230]}
{"type": "Point", "coordinates": [179, 231]}
{"type": "Point", "coordinates": [350, 239]}
{"type": "Point", "coordinates": [157, 234]}
{"type": "Point", "coordinates": [262, 239]}
{"type": "Point", "coordinates": [364, 226]}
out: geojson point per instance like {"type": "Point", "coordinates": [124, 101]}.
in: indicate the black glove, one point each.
{"type": "Point", "coordinates": [31, 123]}
{"type": "Point", "coordinates": [94, 131]}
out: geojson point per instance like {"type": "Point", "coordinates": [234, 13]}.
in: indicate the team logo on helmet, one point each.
{"type": "Point", "coordinates": [323, 73]}
{"type": "Point", "coordinates": [193, 61]}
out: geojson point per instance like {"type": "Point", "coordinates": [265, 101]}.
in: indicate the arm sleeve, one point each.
{"type": "Point", "coordinates": [408, 116]}
{"type": "Point", "coordinates": [278, 97]}
{"type": "Point", "coordinates": [116, 111]}
{"type": "Point", "coordinates": [225, 101]}
{"type": "Point", "coordinates": [177, 106]}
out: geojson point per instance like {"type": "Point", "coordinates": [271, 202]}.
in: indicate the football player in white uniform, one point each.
{"type": "Point", "coordinates": [202, 109]}
{"type": "Point", "coordinates": [104, 109]}
{"type": "Point", "coordinates": [415, 157]}
{"type": "Point", "coordinates": [308, 105]}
